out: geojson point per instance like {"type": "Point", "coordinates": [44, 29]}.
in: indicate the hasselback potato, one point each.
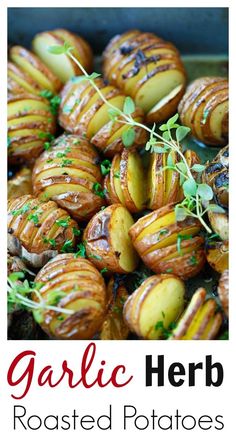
{"type": "Point", "coordinates": [223, 291]}
{"type": "Point", "coordinates": [148, 69]}
{"type": "Point", "coordinates": [71, 283]}
{"type": "Point", "coordinates": [155, 305]}
{"type": "Point", "coordinates": [125, 182]}
{"type": "Point", "coordinates": [163, 185]}
{"type": "Point", "coordinates": [30, 124]}
{"type": "Point", "coordinates": [204, 109]}
{"type": "Point", "coordinates": [69, 174]}
{"type": "Point", "coordinates": [217, 254]}
{"type": "Point", "coordinates": [20, 184]}
{"type": "Point", "coordinates": [107, 241]}
{"type": "Point", "coordinates": [38, 230]}
{"type": "Point", "coordinates": [114, 327]}
{"type": "Point", "coordinates": [63, 66]}
{"type": "Point", "coordinates": [166, 245]}
{"type": "Point", "coordinates": [83, 112]}
{"type": "Point", "coordinates": [200, 319]}
{"type": "Point", "coordinates": [28, 74]}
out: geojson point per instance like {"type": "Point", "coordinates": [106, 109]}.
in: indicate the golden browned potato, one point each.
{"type": "Point", "coordinates": [216, 175]}
{"type": "Point", "coordinates": [125, 183]}
{"type": "Point", "coordinates": [200, 319]}
{"type": "Point", "coordinates": [30, 124]}
{"type": "Point", "coordinates": [69, 174]}
{"type": "Point", "coordinates": [61, 65]}
{"type": "Point", "coordinates": [163, 185]}
{"type": "Point", "coordinates": [107, 241]}
{"type": "Point", "coordinates": [218, 255]}
{"type": "Point", "coordinates": [29, 73]}
{"type": "Point", "coordinates": [20, 184]}
{"type": "Point", "coordinates": [204, 109]}
{"type": "Point", "coordinates": [38, 230]}
{"type": "Point", "coordinates": [114, 327]}
{"type": "Point", "coordinates": [75, 286]}
{"type": "Point", "coordinates": [169, 246]}
{"type": "Point", "coordinates": [155, 305]}
{"type": "Point", "coordinates": [83, 112]}
{"type": "Point", "coordinates": [223, 291]}
{"type": "Point", "coordinates": [149, 70]}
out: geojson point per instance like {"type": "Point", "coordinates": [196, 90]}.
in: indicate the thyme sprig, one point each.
{"type": "Point", "coordinates": [167, 140]}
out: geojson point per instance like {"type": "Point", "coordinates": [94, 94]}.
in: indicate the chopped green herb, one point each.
{"type": "Point", "coordinates": [49, 161]}
{"type": "Point", "coordinates": [76, 231]}
{"type": "Point", "coordinates": [97, 189]}
{"type": "Point", "coordinates": [169, 270]}
{"type": "Point", "coordinates": [105, 167]}
{"type": "Point", "coordinates": [22, 210]}
{"type": "Point", "coordinates": [117, 175]}
{"type": "Point", "coordinates": [34, 218]}
{"type": "Point", "coordinates": [66, 162]}
{"type": "Point", "coordinates": [180, 238]}
{"type": "Point", "coordinates": [104, 270]}
{"type": "Point", "coordinates": [67, 246]}
{"type": "Point", "coordinates": [46, 94]}
{"type": "Point", "coordinates": [8, 141]}
{"type": "Point", "coordinates": [64, 222]}
{"type": "Point", "coordinates": [193, 260]}
{"type": "Point", "coordinates": [50, 241]}
{"type": "Point", "coordinates": [54, 104]}
{"type": "Point", "coordinates": [96, 257]}
{"type": "Point", "coordinates": [81, 252]}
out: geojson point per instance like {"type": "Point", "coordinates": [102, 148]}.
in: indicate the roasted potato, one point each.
{"type": "Point", "coordinates": [83, 112]}
{"type": "Point", "coordinates": [216, 175]}
{"type": "Point", "coordinates": [204, 109]}
{"type": "Point", "coordinates": [69, 174]}
{"type": "Point", "coordinates": [71, 283]}
{"type": "Point", "coordinates": [148, 69]}
{"type": "Point", "coordinates": [218, 255]}
{"type": "Point", "coordinates": [200, 319]}
{"type": "Point", "coordinates": [114, 327]}
{"type": "Point", "coordinates": [38, 230]}
{"type": "Point", "coordinates": [156, 304]}
{"type": "Point", "coordinates": [163, 185]}
{"type": "Point", "coordinates": [125, 183]}
{"type": "Point", "coordinates": [107, 241]}
{"type": "Point", "coordinates": [223, 291]}
{"type": "Point", "coordinates": [169, 246]}
{"type": "Point", "coordinates": [20, 184]}
{"type": "Point", "coordinates": [29, 73]}
{"type": "Point", "coordinates": [63, 66]}
{"type": "Point", "coordinates": [30, 125]}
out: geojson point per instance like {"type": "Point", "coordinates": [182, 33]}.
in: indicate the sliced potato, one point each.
{"type": "Point", "coordinates": [223, 291]}
{"type": "Point", "coordinates": [68, 173]}
{"type": "Point", "coordinates": [30, 125]}
{"type": "Point", "coordinates": [148, 69]}
{"type": "Point", "coordinates": [218, 255]}
{"type": "Point", "coordinates": [169, 246]}
{"type": "Point", "coordinates": [83, 112]}
{"type": "Point", "coordinates": [37, 230]}
{"type": "Point", "coordinates": [63, 66]}
{"type": "Point", "coordinates": [73, 285]}
{"type": "Point", "coordinates": [31, 73]}
{"type": "Point", "coordinates": [114, 327]}
{"type": "Point", "coordinates": [204, 109]}
{"type": "Point", "coordinates": [20, 184]}
{"type": "Point", "coordinates": [154, 306]}
{"type": "Point", "coordinates": [200, 320]}
{"type": "Point", "coordinates": [107, 241]}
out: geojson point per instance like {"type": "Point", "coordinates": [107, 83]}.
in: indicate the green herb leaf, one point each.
{"type": "Point", "coordinates": [181, 133]}
{"type": "Point", "coordinates": [104, 270]}
{"type": "Point", "coordinates": [198, 167]}
{"type": "Point", "coordinates": [180, 213]}
{"type": "Point", "coordinates": [81, 250]}
{"type": "Point", "coordinates": [171, 122]}
{"type": "Point", "coordinates": [51, 241]}
{"type": "Point", "coordinates": [67, 246]}
{"type": "Point", "coordinates": [105, 167]}
{"type": "Point", "coordinates": [216, 208]}
{"type": "Point", "coordinates": [170, 162]}
{"type": "Point", "coordinates": [98, 190]}
{"type": "Point", "coordinates": [8, 141]}
{"type": "Point", "coordinates": [76, 231]}
{"type": "Point", "coordinates": [113, 114]}
{"type": "Point", "coordinates": [59, 50]}
{"type": "Point", "coordinates": [47, 94]}
{"type": "Point", "coordinates": [163, 127]}
{"type": "Point", "coordinates": [166, 135]}
{"type": "Point", "coordinates": [95, 257]}
{"type": "Point", "coordinates": [205, 191]}
{"type": "Point", "coordinates": [94, 75]}
{"type": "Point", "coordinates": [64, 222]}
{"type": "Point", "coordinates": [190, 187]}
{"type": "Point", "coordinates": [22, 210]}
{"type": "Point", "coordinates": [129, 106]}
{"type": "Point", "coordinates": [128, 137]}
{"type": "Point", "coordinates": [15, 276]}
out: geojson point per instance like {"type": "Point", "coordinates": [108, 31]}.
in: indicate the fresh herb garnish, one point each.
{"type": "Point", "coordinates": [105, 167]}
{"type": "Point", "coordinates": [50, 241]}
{"type": "Point", "coordinates": [22, 210]}
{"type": "Point", "coordinates": [67, 246]}
{"type": "Point", "coordinates": [98, 190]}
{"type": "Point", "coordinates": [64, 222]}
{"type": "Point", "coordinates": [81, 250]}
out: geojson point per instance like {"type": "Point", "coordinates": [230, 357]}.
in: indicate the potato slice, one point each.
{"type": "Point", "coordinates": [199, 320]}
{"type": "Point", "coordinates": [62, 66]}
{"type": "Point", "coordinates": [223, 291]}
{"type": "Point", "coordinates": [61, 175]}
{"type": "Point", "coordinates": [218, 255]}
{"type": "Point", "coordinates": [65, 287]}
{"type": "Point", "coordinates": [132, 180]}
{"type": "Point", "coordinates": [156, 304]}
{"type": "Point", "coordinates": [107, 241]}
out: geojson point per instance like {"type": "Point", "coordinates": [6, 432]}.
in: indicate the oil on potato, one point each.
{"type": "Point", "coordinates": [71, 283]}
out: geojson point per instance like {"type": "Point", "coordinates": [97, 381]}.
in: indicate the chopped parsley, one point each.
{"type": "Point", "coordinates": [104, 270]}
{"type": "Point", "coordinates": [81, 252]}
{"type": "Point", "coordinates": [193, 260]}
{"type": "Point", "coordinates": [66, 162]}
{"type": "Point", "coordinates": [22, 210]}
{"type": "Point", "coordinates": [76, 231]}
{"type": "Point", "coordinates": [50, 241]}
{"type": "Point", "coordinates": [96, 257]}
{"type": "Point", "coordinates": [67, 246]}
{"type": "Point", "coordinates": [98, 190]}
{"type": "Point", "coordinates": [64, 222]}
{"type": "Point", "coordinates": [105, 167]}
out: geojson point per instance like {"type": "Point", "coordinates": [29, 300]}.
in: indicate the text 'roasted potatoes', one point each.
{"type": "Point", "coordinates": [204, 108]}
{"type": "Point", "coordinates": [75, 286]}
{"type": "Point", "coordinates": [83, 112]}
{"type": "Point", "coordinates": [68, 173]}
{"type": "Point", "coordinates": [107, 241]}
{"type": "Point", "coordinates": [148, 69]}
{"type": "Point", "coordinates": [169, 246]}
{"type": "Point", "coordinates": [155, 306]}
{"type": "Point", "coordinates": [38, 230]}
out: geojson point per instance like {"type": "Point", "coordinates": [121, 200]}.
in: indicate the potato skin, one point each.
{"type": "Point", "coordinates": [78, 110]}
{"type": "Point", "coordinates": [217, 254]}
{"type": "Point", "coordinates": [20, 184]}
{"type": "Point", "coordinates": [98, 243]}
{"type": "Point", "coordinates": [76, 177]}
{"type": "Point", "coordinates": [126, 60]}
{"type": "Point", "coordinates": [196, 109]}
{"type": "Point", "coordinates": [32, 224]}
{"type": "Point", "coordinates": [77, 279]}
{"type": "Point", "coordinates": [223, 291]}
{"type": "Point", "coordinates": [27, 126]}
{"type": "Point", "coordinates": [167, 258]}
{"type": "Point", "coordinates": [216, 175]}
